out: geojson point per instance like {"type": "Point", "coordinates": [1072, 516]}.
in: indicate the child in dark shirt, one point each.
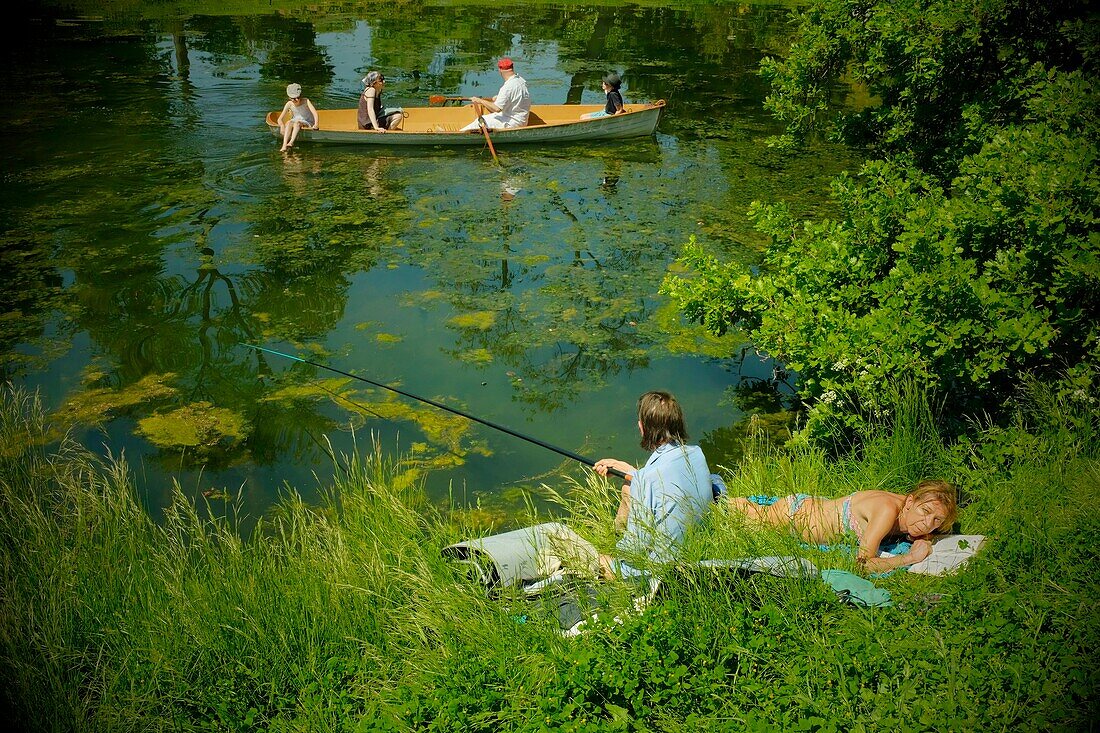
{"type": "Point", "coordinates": [611, 84]}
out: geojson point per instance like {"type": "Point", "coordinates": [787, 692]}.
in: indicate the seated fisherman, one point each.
{"type": "Point", "coordinates": [663, 498]}
{"type": "Point", "coordinates": [872, 516]}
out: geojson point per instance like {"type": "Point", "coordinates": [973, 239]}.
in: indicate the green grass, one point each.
{"type": "Point", "coordinates": [344, 616]}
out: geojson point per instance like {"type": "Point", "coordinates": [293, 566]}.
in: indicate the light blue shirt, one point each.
{"type": "Point", "coordinates": [668, 495]}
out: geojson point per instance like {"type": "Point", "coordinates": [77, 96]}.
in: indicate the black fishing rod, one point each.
{"type": "Point", "coordinates": [560, 451]}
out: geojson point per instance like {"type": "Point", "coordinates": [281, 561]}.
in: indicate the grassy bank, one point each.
{"type": "Point", "coordinates": [344, 616]}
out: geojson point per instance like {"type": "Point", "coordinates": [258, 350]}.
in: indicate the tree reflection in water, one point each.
{"type": "Point", "coordinates": [181, 235]}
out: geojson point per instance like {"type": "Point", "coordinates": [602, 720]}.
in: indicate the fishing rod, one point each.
{"type": "Point", "coordinates": [560, 451]}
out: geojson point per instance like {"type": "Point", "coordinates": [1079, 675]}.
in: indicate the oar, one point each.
{"type": "Point", "coordinates": [560, 451]}
{"type": "Point", "coordinates": [440, 99]}
{"type": "Point", "coordinates": [485, 131]}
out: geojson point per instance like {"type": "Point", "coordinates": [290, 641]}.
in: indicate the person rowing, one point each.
{"type": "Point", "coordinates": [510, 107]}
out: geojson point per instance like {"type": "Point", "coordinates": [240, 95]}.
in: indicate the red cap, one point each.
{"type": "Point", "coordinates": [504, 63]}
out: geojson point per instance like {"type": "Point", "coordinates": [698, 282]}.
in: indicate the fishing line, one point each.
{"type": "Point", "coordinates": [542, 444]}
{"type": "Point", "coordinates": [364, 408]}
{"type": "Point", "coordinates": [328, 449]}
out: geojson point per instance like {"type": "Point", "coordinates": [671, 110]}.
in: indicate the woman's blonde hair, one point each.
{"type": "Point", "coordinates": [940, 491]}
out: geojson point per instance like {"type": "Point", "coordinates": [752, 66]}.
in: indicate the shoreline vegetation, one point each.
{"type": "Point", "coordinates": [345, 617]}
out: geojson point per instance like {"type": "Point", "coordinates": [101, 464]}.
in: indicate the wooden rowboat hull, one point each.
{"type": "Point", "coordinates": [548, 123]}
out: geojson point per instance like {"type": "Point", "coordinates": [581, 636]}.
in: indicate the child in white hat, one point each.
{"type": "Point", "coordinates": [297, 113]}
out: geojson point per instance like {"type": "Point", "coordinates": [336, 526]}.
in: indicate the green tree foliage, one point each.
{"type": "Point", "coordinates": [963, 283]}
{"type": "Point", "coordinates": [941, 71]}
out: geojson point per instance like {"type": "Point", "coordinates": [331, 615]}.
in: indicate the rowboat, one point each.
{"type": "Point", "coordinates": [547, 123]}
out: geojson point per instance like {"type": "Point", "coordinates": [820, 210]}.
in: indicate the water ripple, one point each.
{"type": "Point", "coordinates": [252, 175]}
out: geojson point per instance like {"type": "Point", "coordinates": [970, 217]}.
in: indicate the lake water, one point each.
{"type": "Point", "coordinates": [151, 230]}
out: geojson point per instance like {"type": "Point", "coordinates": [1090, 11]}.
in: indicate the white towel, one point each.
{"type": "Point", "coordinates": [949, 553]}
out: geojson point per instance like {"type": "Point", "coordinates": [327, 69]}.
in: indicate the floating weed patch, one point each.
{"type": "Point", "coordinates": [42, 175]}
{"type": "Point", "coordinates": [424, 296]}
{"type": "Point", "coordinates": [475, 356]}
{"type": "Point", "coordinates": [96, 406]}
{"type": "Point", "coordinates": [480, 519]}
{"type": "Point", "coordinates": [318, 389]}
{"type": "Point", "coordinates": [201, 427]}
{"type": "Point", "coordinates": [478, 320]}
{"type": "Point", "coordinates": [388, 338]}
{"type": "Point", "coordinates": [425, 458]}
{"type": "Point", "coordinates": [681, 337]}
{"type": "Point", "coordinates": [441, 428]}
{"type": "Point", "coordinates": [355, 219]}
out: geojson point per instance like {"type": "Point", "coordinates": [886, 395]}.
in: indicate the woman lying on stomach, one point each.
{"type": "Point", "coordinates": [873, 516]}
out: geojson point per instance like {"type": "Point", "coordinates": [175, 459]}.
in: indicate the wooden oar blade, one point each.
{"type": "Point", "coordinates": [440, 99]}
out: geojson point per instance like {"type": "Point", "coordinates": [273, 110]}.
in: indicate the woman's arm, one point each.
{"type": "Point", "coordinates": [919, 551]}
{"type": "Point", "coordinates": [316, 117]}
{"type": "Point", "coordinates": [623, 514]}
{"type": "Point", "coordinates": [882, 516]}
{"type": "Point", "coordinates": [601, 467]}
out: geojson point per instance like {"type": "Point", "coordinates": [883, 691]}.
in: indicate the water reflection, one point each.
{"type": "Point", "coordinates": [152, 227]}
{"type": "Point", "coordinates": [296, 170]}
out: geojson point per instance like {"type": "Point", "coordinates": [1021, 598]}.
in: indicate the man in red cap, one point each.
{"type": "Point", "coordinates": [510, 106]}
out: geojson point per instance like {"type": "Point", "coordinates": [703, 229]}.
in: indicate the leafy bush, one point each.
{"type": "Point", "coordinates": [962, 285]}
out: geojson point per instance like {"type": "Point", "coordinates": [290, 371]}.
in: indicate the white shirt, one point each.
{"type": "Point", "coordinates": [514, 101]}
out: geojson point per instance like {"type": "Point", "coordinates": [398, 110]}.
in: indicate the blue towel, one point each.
{"type": "Point", "coordinates": [894, 547]}
{"type": "Point", "coordinates": [856, 590]}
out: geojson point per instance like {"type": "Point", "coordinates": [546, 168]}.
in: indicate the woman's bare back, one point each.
{"type": "Point", "coordinates": [820, 519]}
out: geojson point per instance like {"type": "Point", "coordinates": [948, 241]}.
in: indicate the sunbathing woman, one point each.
{"type": "Point", "coordinates": [871, 515]}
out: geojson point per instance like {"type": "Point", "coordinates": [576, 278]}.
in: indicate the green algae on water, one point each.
{"type": "Point", "coordinates": [479, 320]}
{"type": "Point", "coordinates": [200, 427]}
{"type": "Point", "coordinates": [96, 406]}
{"type": "Point", "coordinates": [318, 389]}
{"type": "Point", "coordinates": [388, 338]}
{"type": "Point", "coordinates": [682, 337]}
{"type": "Point", "coordinates": [478, 357]}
